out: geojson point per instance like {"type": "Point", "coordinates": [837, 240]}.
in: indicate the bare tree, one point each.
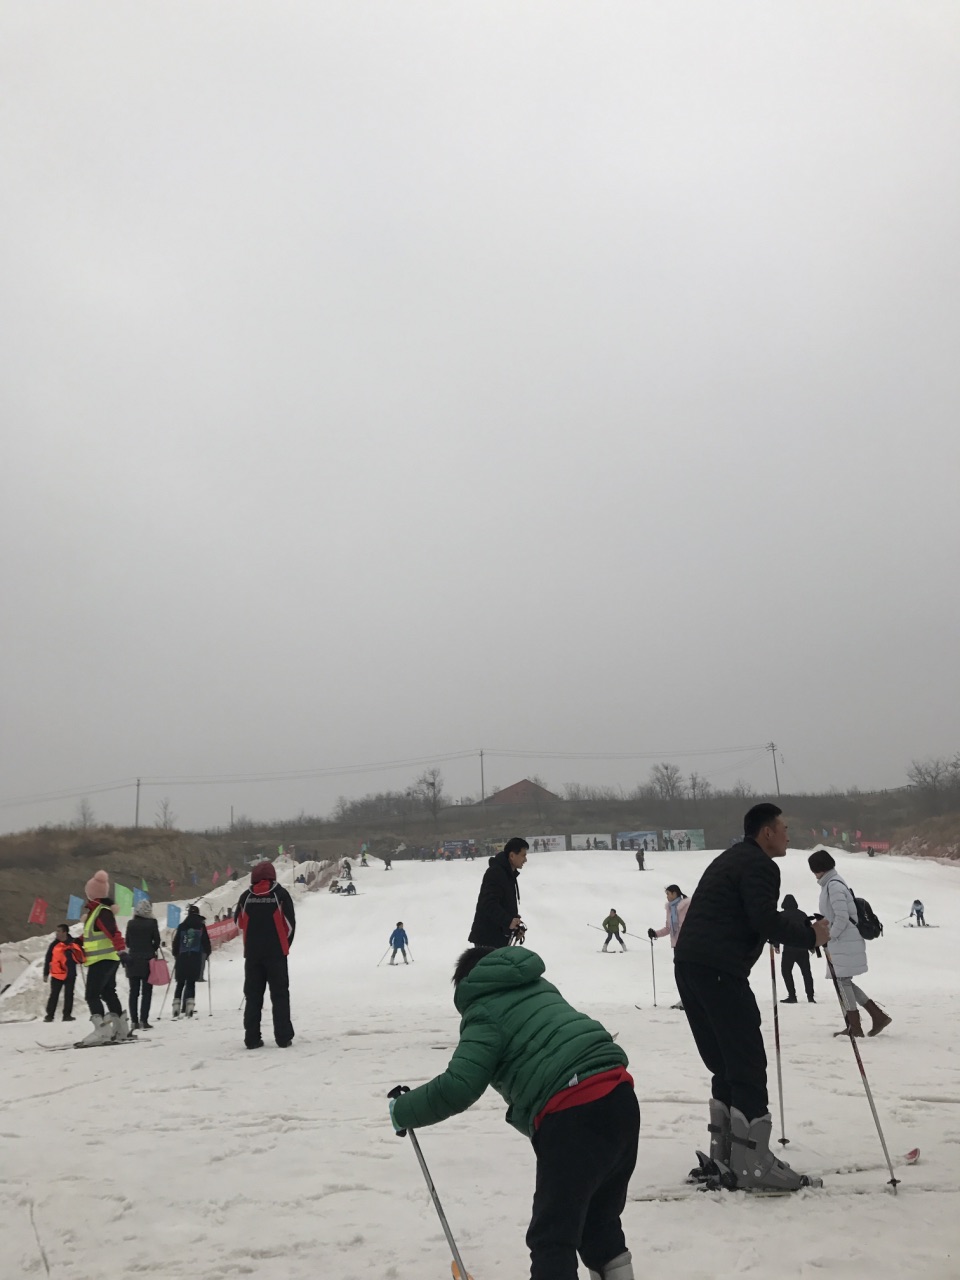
{"type": "Point", "coordinates": [932, 780]}
{"type": "Point", "coordinates": [85, 815]}
{"type": "Point", "coordinates": [667, 780]}
{"type": "Point", "coordinates": [698, 787]}
{"type": "Point", "coordinates": [165, 818]}
{"type": "Point", "coordinates": [430, 787]}
{"type": "Point", "coordinates": [742, 790]}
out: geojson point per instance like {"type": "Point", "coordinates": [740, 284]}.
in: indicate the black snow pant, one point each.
{"type": "Point", "coordinates": [55, 985]}
{"type": "Point", "coordinates": [796, 956]}
{"type": "Point", "coordinates": [258, 975]}
{"type": "Point", "coordinates": [585, 1157]}
{"type": "Point", "coordinates": [102, 987]}
{"type": "Point", "coordinates": [141, 997]}
{"type": "Point", "coordinates": [615, 934]}
{"type": "Point", "coordinates": [725, 1020]}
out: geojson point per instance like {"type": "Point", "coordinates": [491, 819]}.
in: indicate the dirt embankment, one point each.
{"type": "Point", "coordinates": [934, 838]}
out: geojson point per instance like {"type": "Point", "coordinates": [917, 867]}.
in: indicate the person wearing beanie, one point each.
{"type": "Point", "coordinates": [143, 945]}
{"type": "Point", "coordinates": [847, 949]}
{"type": "Point", "coordinates": [266, 919]}
{"type": "Point", "coordinates": [60, 968]}
{"type": "Point", "coordinates": [567, 1089]}
{"type": "Point", "coordinates": [795, 956]}
{"type": "Point", "coordinates": [612, 926]}
{"type": "Point", "coordinates": [103, 949]}
{"type": "Point", "coordinates": [399, 941]}
{"type": "Point", "coordinates": [191, 946]}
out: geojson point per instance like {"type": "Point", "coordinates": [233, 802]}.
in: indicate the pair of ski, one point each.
{"type": "Point", "coordinates": [106, 1044]}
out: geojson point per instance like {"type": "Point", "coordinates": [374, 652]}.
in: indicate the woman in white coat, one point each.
{"type": "Point", "coordinates": [677, 903]}
{"type": "Point", "coordinates": [848, 951]}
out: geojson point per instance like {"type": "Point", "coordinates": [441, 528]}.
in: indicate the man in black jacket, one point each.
{"type": "Point", "coordinates": [497, 918]}
{"type": "Point", "coordinates": [732, 914]}
{"type": "Point", "coordinates": [266, 918]}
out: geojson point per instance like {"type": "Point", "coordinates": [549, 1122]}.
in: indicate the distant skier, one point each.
{"type": "Point", "coordinates": [387, 860]}
{"type": "Point", "coordinates": [399, 940]}
{"type": "Point", "coordinates": [795, 956]}
{"type": "Point", "coordinates": [363, 860]}
{"type": "Point", "coordinates": [60, 969]}
{"type": "Point", "coordinates": [568, 1090]}
{"type": "Point", "coordinates": [267, 921]}
{"type": "Point", "coordinates": [191, 946]}
{"type": "Point", "coordinates": [345, 869]}
{"type": "Point", "coordinates": [848, 951]}
{"type": "Point", "coordinates": [496, 921]}
{"type": "Point", "coordinates": [640, 856]}
{"type": "Point", "coordinates": [917, 910]}
{"type": "Point", "coordinates": [103, 949]}
{"type": "Point", "coordinates": [613, 924]}
{"type": "Point", "coordinates": [350, 890]}
{"type": "Point", "coordinates": [143, 944]}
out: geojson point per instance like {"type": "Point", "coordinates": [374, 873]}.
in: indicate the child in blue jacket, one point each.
{"type": "Point", "coordinates": [399, 940]}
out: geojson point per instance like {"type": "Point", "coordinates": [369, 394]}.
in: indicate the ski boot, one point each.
{"type": "Point", "coordinates": [102, 1032]}
{"type": "Point", "coordinates": [120, 1025]}
{"type": "Point", "coordinates": [619, 1268]}
{"type": "Point", "coordinates": [754, 1165]}
{"type": "Point", "coordinates": [714, 1169]}
{"type": "Point", "coordinates": [191, 1005]}
{"type": "Point", "coordinates": [176, 1007]}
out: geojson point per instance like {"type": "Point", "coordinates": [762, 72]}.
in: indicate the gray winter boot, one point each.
{"type": "Point", "coordinates": [102, 1032]}
{"type": "Point", "coordinates": [754, 1164]}
{"type": "Point", "coordinates": [189, 1010]}
{"type": "Point", "coordinates": [719, 1129]}
{"type": "Point", "coordinates": [619, 1268]}
{"type": "Point", "coordinates": [176, 1006]}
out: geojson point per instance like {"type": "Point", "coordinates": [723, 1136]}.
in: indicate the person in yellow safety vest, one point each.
{"type": "Point", "coordinates": [103, 950]}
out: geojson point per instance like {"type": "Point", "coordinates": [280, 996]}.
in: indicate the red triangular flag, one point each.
{"type": "Point", "coordinates": [38, 912]}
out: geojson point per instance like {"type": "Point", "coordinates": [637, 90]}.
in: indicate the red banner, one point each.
{"type": "Point", "coordinates": [879, 846]}
{"type": "Point", "coordinates": [222, 931]}
{"type": "Point", "coordinates": [38, 912]}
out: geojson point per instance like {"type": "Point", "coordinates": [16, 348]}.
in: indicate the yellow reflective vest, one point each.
{"type": "Point", "coordinates": [96, 944]}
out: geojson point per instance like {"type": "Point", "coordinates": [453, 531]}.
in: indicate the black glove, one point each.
{"type": "Point", "coordinates": [651, 934]}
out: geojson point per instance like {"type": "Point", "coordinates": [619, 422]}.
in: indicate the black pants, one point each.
{"type": "Point", "coordinates": [725, 1021]}
{"type": "Point", "coordinates": [615, 934]}
{"type": "Point", "coordinates": [55, 985]}
{"type": "Point", "coordinates": [585, 1157]}
{"type": "Point", "coordinates": [187, 988]}
{"type": "Point", "coordinates": [102, 987]}
{"type": "Point", "coordinates": [141, 996]}
{"type": "Point", "coordinates": [794, 956]}
{"type": "Point", "coordinates": [258, 975]}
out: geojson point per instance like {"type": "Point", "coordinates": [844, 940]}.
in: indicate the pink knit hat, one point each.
{"type": "Point", "coordinates": [98, 886]}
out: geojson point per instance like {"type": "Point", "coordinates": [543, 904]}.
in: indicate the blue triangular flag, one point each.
{"type": "Point", "coordinates": [173, 915]}
{"type": "Point", "coordinates": [139, 896]}
{"type": "Point", "coordinates": [74, 907]}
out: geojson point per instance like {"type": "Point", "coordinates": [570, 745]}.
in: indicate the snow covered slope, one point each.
{"type": "Point", "coordinates": [186, 1156]}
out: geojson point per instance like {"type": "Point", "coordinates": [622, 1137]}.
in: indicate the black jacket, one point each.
{"type": "Point", "coordinates": [143, 943]}
{"type": "Point", "coordinates": [794, 914]}
{"type": "Point", "coordinates": [191, 943]}
{"type": "Point", "coordinates": [497, 905]}
{"type": "Point", "coordinates": [733, 912]}
{"type": "Point", "coordinates": [266, 918]}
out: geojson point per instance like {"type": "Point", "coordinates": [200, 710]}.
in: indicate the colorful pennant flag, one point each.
{"type": "Point", "coordinates": [216, 876]}
{"type": "Point", "coordinates": [229, 871]}
{"type": "Point", "coordinates": [280, 850]}
{"type": "Point", "coordinates": [123, 897]}
{"type": "Point", "coordinates": [139, 895]}
{"type": "Point", "coordinates": [144, 886]}
{"type": "Point", "coordinates": [824, 833]}
{"type": "Point", "coordinates": [74, 907]}
{"type": "Point", "coordinates": [173, 885]}
{"type": "Point", "coordinates": [38, 912]}
{"type": "Point", "coordinates": [173, 915]}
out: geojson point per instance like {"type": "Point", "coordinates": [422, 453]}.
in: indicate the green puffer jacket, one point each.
{"type": "Point", "coordinates": [517, 1033]}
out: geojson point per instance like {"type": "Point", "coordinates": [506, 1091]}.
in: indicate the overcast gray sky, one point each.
{"type": "Point", "coordinates": [386, 380]}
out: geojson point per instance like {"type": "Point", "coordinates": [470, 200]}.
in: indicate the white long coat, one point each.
{"type": "Point", "coordinates": [848, 951]}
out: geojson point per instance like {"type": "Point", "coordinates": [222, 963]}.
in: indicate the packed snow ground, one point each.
{"type": "Point", "coordinates": [186, 1156]}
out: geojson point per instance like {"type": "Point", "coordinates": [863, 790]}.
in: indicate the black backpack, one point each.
{"type": "Point", "coordinates": [867, 921]}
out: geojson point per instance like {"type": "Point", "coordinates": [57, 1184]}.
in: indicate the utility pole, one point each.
{"type": "Point", "coordinates": [231, 817]}
{"type": "Point", "coordinates": [136, 815]}
{"type": "Point", "coordinates": [483, 794]}
{"type": "Point", "coordinates": [772, 748]}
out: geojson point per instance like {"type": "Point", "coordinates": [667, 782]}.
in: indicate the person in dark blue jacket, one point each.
{"type": "Point", "coordinates": [399, 940]}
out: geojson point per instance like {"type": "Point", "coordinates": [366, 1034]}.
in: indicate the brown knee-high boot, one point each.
{"type": "Point", "coordinates": [880, 1019]}
{"type": "Point", "coordinates": [853, 1027]}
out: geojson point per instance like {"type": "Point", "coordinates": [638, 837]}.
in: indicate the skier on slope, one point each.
{"type": "Point", "coordinates": [60, 969]}
{"type": "Point", "coordinates": [496, 921]}
{"type": "Point", "coordinates": [613, 924]}
{"type": "Point", "coordinates": [848, 951]}
{"type": "Point", "coordinates": [143, 945]}
{"type": "Point", "coordinates": [103, 950]}
{"type": "Point", "coordinates": [399, 940]}
{"type": "Point", "coordinates": [917, 910]}
{"type": "Point", "coordinates": [191, 946]}
{"type": "Point", "coordinates": [732, 913]}
{"type": "Point", "coordinates": [677, 904]}
{"type": "Point", "coordinates": [798, 956]}
{"type": "Point", "coordinates": [566, 1086]}
{"type": "Point", "coordinates": [267, 920]}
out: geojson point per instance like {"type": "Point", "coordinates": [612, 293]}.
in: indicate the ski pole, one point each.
{"type": "Point", "coordinates": [410, 954]}
{"type": "Point", "coordinates": [382, 958]}
{"type": "Point", "coordinates": [653, 971]}
{"type": "Point", "coordinates": [243, 999]}
{"type": "Point", "coordinates": [163, 1002]}
{"type": "Point", "coordinates": [626, 932]}
{"type": "Point", "coordinates": [893, 1180]}
{"type": "Point", "coordinates": [783, 1139]}
{"type": "Point", "coordinates": [395, 1093]}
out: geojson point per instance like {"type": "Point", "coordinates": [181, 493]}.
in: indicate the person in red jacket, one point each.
{"type": "Point", "coordinates": [266, 918]}
{"type": "Point", "coordinates": [60, 967]}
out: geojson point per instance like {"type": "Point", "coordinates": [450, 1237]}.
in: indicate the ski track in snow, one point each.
{"type": "Point", "coordinates": [199, 1159]}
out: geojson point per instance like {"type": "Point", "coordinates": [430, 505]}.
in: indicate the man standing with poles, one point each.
{"type": "Point", "coordinates": [732, 914]}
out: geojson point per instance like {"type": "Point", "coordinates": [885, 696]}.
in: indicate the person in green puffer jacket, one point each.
{"type": "Point", "coordinates": [566, 1086]}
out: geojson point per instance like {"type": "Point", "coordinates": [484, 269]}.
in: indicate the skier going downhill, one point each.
{"type": "Point", "coordinates": [917, 910]}
{"type": "Point", "coordinates": [732, 914]}
{"type": "Point", "coordinates": [399, 940]}
{"type": "Point", "coordinates": [613, 924]}
{"type": "Point", "coordinates": [266, 919]}
{"type": "Point", "coordinates": [567, 1089]}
